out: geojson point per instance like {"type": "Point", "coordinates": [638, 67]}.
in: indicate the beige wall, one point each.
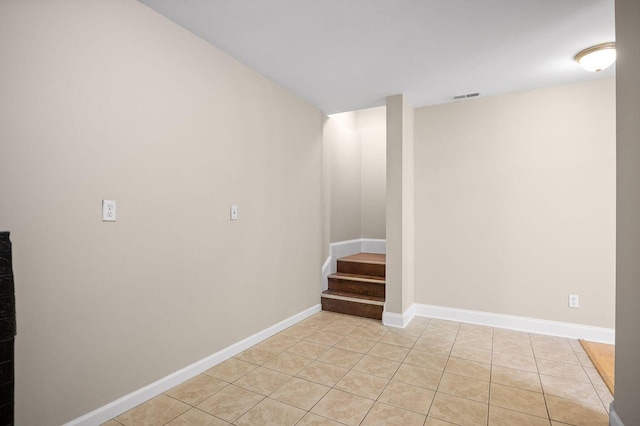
{"type": "Point", "coordinates": [515, 203]}
{"type": "Point", "coordinates": [371, 126]}
{"type": "Point", "coordinates": [628, 214]}
{"type": "Point", "coordinates": [107, 99]}
{"type": "Point", "coordinates": [342, 145]}
{"type": "Point", "coordinates": [354, 166]}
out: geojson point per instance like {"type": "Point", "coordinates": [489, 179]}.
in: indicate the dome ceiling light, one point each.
{"type": "Point", "coordinates": [597, 58]}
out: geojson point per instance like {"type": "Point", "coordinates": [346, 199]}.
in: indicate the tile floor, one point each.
{"type": "Point", "coordinates": [333, 369]}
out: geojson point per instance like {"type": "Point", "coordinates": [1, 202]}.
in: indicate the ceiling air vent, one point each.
{"type": "Point", "coordinates": [468, 95]}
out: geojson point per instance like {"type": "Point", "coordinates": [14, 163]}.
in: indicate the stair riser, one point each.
{"type": "Point", "coordinates": [373, 269]}
{"type": "Point", "coordinates": [357, 287]}
{"type": "Point", "coordinates": [352, 308]}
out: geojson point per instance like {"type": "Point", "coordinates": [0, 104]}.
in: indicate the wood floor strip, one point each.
{"type": "Point", "coordinates": [603, 357]}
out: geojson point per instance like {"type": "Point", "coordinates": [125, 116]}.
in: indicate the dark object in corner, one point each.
{"type": "Point", "coordinates": [7, 331]}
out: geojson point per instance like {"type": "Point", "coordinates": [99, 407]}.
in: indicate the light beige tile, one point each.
{"type": "Point", "coordinates": [298, 331]}
{"type": "Point", "coordinates": [383, 414]}
{"type": "Point", "coordinates": [522, 348]}
{"type": "Point", "coordinates": [320, 319]}
{"type": "Point", "coordinates": [288, 363]}
{"type": "Point", "coordinates": [422, 321]}
{"type": "Point", "coordinates": [464, 387]}
{"type": "Point", "coordinates": [426, 359]}
{"type": "Point", "coordinates": [269, 412]}
{"type": "Point", "coordinates": [377, 366]}
{"type": "Point", "coordinates": [584, 360]}
{"type": "Point", "coordinates": [435, 422]}
{"type": "Point", "coordinates": [568, 357]}
{"type": "Point", "coordinates": [412, 329]}
{"type": "Point", "coordinates": [262, 380]}
{"type": "Point", "coordinates": [230, 403]}
{"type": "Point", "coordinates": [472, 341]}
{"type": "Point", "coordinates": [111, 423]}
{"type": "Point", "coordinates": [471, 353]}
{"type": "Point", "coordinates": [311, 419]}
{"type": "Point", "coordinates": [257, 355]}
{"type": "Point", "coordinates": [519, 400]}
{"type": "Point", "coordinates": [355, 344]}
{"type": "Point", "coordinates": [343, 407]}
{"type": "Point", "coordinates": [390, 352]}
{"type": "Point", "coordinates": [516, 378]}
{"type": "Point", "coordinates": [502, 417]}
{"type": "Point", "coordinates": [409, 397]}
{"type": "Point", "coordinates": [197, 417]}
{"type": "Point", "coordinates": [438, 333]}
{"type": "Point", "coordinates": [373, 324]}
{"type": "Point", "coordinates": [408, 331]}
{"type": "Point", "coordinates": [576, 412]}
{"type": "Point", "coordinates": [605, 396]}
{"type": "Point", "coordinates": [230, 370]}
{"type": "Point", "coordinates": [300, 393]}
{"type": "Point", "coordinates": [442, 324]}
{"type": "Point", "coordinates": [475, 329]}
{"type": "Point", "coordinates": [418, 376]}
{"type": "Point", "coordinates": [324, 338]}
{"type": "Point", "coordinates": [514, 335]}
{"type": "Point", "coordinates": [197, 389]}
{"type": "Point", "coordinates": [398, 339]}
{"type": "Point", "coordinates": [362, 384]}
{"type": "Point", "coordinates": [341, 327]}
{"type": "Point", "coordinates": [576, 346]}
{"type": "Point", "coordinates": [459, 411]}
{"type": "Point", "coordinates": [369, 333]}
{"type": "Point", "coordinates": [463, 367]}
{"type": "Point", "coordinates": [436, 345]}
{"type": "Point", "coordinates": [279, 342]}
{"type": "Point", "coordinates": [308, 349]}
{"type": "Point", "coordinates": [511, 360]}
{"type": "Point", "coordinates": [341, 357]}
{"type": "Point", "coordinates": [569, 389]}
{"type": "Point", "coordinates": [322, 373]}
{"type": "Point", "coordinates": [594, 376]}
{"type": "Point", "coordinates": [158, 410]}
{"type": "Point", "coordinates": [562, 370]}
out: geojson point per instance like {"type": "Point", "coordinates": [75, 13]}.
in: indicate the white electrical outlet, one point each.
{"type": "Point", "coordinates": [234, 212]}
{"type": "Point", "coordinates": [108, 210]}
{"type": "Point", "coordinates": [574, 301]}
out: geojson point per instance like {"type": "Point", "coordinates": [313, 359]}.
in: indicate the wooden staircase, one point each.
{"type": "Point", "coordinates": [358, 288]}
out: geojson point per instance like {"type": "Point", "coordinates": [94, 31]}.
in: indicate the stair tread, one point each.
{"type": "Point", "coordinates": [374, 258]}
{"type": "Point", "coordinates": [358, 277]}
{"type": "Point", "coordinates": [352, 295]}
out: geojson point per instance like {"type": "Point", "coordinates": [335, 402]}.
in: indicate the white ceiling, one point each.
{"type": "Point", "coordinates": [343, 55]}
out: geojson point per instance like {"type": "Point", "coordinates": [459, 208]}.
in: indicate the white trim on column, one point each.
{"type": "Point", "coordinates": [614, 420]}
{"type": "Point", "coordinates": [347, 248]}
{"type": "Point", "coordinates": [127, 402]}
{"type": "Point", "coordinates": [531, 325]}
{"type": "Point", "coordinates": [398, 320]}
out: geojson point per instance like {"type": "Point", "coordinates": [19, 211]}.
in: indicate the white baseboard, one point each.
{"type": "Point", "coordinates": [531, 325]}
{"type": "Point", "coordinates": [347, 248]}
{"type": "Point", "coordinates": [127, 402]}
{"type": "Point", "coordinates": [326, 271]}
{"type": "Point", "coordinates": [398, 320]}
{"type": "Point", "coordinates": [614, 420]}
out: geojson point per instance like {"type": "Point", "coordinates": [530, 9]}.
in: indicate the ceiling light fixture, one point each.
{"type": "Point", "coordinates": [597, 58]}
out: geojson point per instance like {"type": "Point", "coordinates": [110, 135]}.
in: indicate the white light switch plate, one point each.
{"type": "Point", "coordinates": [234, 212]}
{"type": "Point", "coordinates": [108, 210]}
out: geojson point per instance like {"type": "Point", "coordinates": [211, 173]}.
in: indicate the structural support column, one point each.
{"type": "Point", "coordinates": [626, 410]}
{"type": "Point", "coordinates": [400, 221]}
